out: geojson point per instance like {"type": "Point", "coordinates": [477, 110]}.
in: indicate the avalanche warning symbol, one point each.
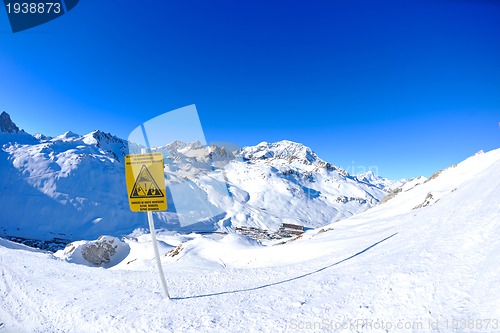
{"type": "Point", "coordinates": [145, 185]}
{"type": "Point", "coordinates": [145, 182]}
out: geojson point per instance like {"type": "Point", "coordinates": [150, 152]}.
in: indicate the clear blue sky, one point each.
{"type": "Point", "coordinates": [407, 86]}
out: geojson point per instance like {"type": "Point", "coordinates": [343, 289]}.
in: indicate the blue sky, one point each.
{"type": "Point", "coordinates": [408, 86]}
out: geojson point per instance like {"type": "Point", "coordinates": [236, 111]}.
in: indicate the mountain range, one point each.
{"type": "Point", "coordinates": [73, 186]}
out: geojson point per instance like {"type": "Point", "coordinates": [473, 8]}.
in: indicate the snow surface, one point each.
{"type": "Point", "coordinates": [424, 269]}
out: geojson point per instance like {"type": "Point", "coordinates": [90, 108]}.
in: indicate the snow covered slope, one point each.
{"type": "Point", "coordinates": [73, 187]}
{"type": "Point", "coordinates": [66, 187]}
{"type": "Point", "coordinates": [411, 264]}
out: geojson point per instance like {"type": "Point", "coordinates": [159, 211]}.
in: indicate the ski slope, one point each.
{"type": "Point", "coordinates": [415, 263]}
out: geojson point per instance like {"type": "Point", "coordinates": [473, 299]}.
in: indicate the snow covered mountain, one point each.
{"type": "Point", "coordinates": [64, 186]}
{"type": "Point", "coordinates": [6, 124]}
{"type": "Point", "coordinates": [73, 186]}
{"type": "Point", "coordinates": [383, 183]}
{"type": "Point", "coordinates": [425, 260]}
{"type": "Point", "coordinates": [287, 182]}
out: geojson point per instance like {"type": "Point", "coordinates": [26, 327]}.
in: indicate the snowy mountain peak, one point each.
{"type": "Point", "coordinates": [184, 147]}
{"type": "Point", "coordinates": [100, 138]}
{"type": "Point", "coordinates": [284, 150]}
{"type": "Point", "coordinates": [107, 143]}
{"type": "Point", "coordinates": [66, 136]}
{"type": "Point", "coordinates": [367, 176]}
{"type": "Point", "coordinates": [7, 125]}
{"type": "Point", "coordinates": [288, 153]}
{"type": "Point", "coordinates": [175, 146]}
{"type": "Point", "coordinates": [41, 137]}
{"type": "Point", "coordinates": [383, 183]}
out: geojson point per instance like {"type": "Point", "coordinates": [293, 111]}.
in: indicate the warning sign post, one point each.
{"type": "Point", "coordinates": [145, 182]}
{"type": "Point", "coordinates": [147, 193]}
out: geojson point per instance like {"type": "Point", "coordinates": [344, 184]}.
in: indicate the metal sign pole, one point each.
{"type": "Point", "coordinates": [155, 244]}
{"type": "Point", "coordinates": [157, 253]}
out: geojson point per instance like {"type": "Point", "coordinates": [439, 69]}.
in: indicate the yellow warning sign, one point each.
{"type": "Point", "coordinates": [145, 182]}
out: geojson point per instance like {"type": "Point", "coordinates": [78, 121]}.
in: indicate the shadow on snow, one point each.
{"type": "Point", "coordinates": [287, 280]}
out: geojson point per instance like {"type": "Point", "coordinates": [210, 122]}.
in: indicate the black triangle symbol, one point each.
{"type": "Point", "coordinates": [145, 186]}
